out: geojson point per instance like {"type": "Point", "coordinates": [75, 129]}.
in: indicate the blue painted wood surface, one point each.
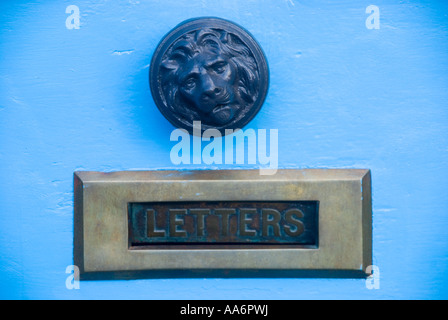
{"type": "Point", "coordinates": [341, 95]}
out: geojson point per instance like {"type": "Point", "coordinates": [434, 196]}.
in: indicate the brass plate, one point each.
{"type": "Point", "coordinates": [152, 221]}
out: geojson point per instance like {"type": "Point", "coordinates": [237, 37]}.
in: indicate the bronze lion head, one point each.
{"type": "Point", "coordinates": [209, 74]}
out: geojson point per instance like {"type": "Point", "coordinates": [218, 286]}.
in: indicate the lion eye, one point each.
{"type": "Point", "coordinates": [219, 67]}
{"type": "Point", "coordinates": [190, 83]}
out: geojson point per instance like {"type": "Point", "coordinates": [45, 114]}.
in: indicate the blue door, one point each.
{"type": "Point", "coordinates": [353, 84]}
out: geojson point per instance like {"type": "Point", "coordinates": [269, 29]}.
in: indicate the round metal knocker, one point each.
{"type": "Point", "coordinates": [209, 70]}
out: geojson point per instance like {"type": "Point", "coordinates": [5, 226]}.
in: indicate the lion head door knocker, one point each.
{"type": "Point", "coordinates": [209, 70]}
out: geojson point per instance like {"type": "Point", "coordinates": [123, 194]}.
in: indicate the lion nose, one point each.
{"type": "Point", "coordinates": [209, 89]}
{"type": "Point", "coordinates": [211, 94]}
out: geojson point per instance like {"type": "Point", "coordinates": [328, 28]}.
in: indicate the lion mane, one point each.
{"type": "Point", "coordinates": [221, 42]}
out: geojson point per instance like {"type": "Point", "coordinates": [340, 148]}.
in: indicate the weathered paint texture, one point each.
{"type": "Point", "coordinates": [341, 96]}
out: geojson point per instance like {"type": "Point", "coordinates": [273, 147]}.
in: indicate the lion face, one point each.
{"type": "Point", "coordinates": [209, 75]}
{"type": "Point", "coordinates": [207, 81]}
